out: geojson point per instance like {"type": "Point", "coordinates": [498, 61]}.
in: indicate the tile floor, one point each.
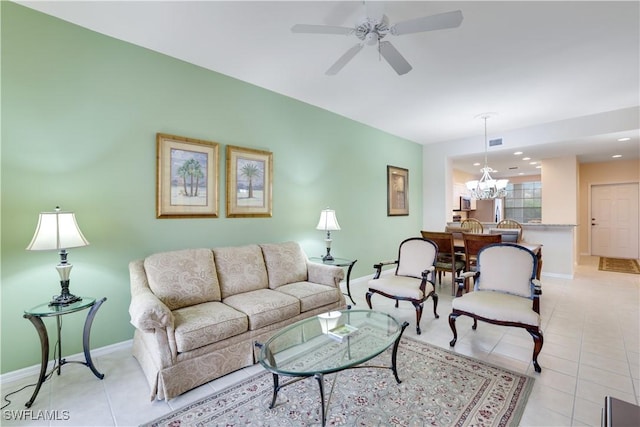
{"type": "Point", "coordinates": [591, 349]}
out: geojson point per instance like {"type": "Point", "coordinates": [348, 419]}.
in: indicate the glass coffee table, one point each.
{"type": "Point", "coordinates": [323, 345]}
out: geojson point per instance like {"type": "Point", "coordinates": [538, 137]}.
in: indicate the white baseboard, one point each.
{"type": "Point", "coordinates": [35, 369]}
{"type": "Point", "coordinates": [558, 275]}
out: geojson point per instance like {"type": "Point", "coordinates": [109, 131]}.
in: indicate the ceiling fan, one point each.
{"type": "Point", "coordinates": [374, 28]}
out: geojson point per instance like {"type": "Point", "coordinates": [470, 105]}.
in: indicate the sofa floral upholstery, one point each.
{"type": "Point", "coordinates": [198, 312]}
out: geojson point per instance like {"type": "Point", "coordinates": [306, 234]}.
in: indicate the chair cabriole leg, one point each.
{"type": "Point", "coordinates": [368, 297]}
{"type": "Point", "coordinates": [418, 306]}
{"type": "Point", "coordinates": [538, 340]}
{"type": "Point", "coordinates": [435, 305]}
{"type": "Point", "coordinates": [452, 324]}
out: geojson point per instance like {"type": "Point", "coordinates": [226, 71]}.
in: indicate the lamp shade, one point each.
{"type": "Point", "coordinates": [328, 220]}
{"type": "Point", "coordinates": [57, 230]}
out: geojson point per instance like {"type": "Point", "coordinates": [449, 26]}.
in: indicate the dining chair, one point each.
{"type": "Point", "coordinates": [508, 235]}
{"type": "Point", "coordinates": [413, 279]}
{"type": "Point", "coordinates": [472, 245]}
{"type": "Point", "coordinates": [511, 224]}
{"type": "Point", "coordinates": [506, 292]}
{"type": "Point", "coordinates": [472, 225]}
{"type": "Point", "coordinates": [448, 260]}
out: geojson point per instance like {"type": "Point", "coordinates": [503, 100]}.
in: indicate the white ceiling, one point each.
{"type": "Point", "coordinates": [531, 62]}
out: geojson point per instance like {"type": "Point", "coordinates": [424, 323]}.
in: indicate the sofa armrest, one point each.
{"type": "Point", "coordinates": [324, 274]}
{"type": "Point", "coordinates": [146, 310]}
{"type": "Point", "coordinates": [148, 313]}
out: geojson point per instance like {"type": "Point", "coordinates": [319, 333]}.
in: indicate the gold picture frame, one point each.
{"type": "Point", "coordinates": [249, 182]}
{"type": "Point", "coordinates": [397, 191]}
{"type": "Point", "coordinates": [187, 177]}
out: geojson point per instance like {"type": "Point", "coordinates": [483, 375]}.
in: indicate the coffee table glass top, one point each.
{"type": "Point", "coordinates": [305, 349]}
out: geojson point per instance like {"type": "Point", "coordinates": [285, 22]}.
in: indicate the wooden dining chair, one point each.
{"type": "Point", "coordinates": [472, 245]}
{"type": "Point", "coordinates": [448, 260]}
{"type": "Point", "coordinates": [472, 225]}
{"type": "Point", "coordinates": [511, 224]}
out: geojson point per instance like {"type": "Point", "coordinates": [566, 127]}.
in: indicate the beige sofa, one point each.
{"type": "Point", "coordinates": [198, 312]}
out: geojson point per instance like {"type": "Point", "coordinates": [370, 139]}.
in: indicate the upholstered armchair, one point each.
{"type": "Point", "coordinates": [505, 293]}
{"type": "Point", "coordinates": [413, 279]}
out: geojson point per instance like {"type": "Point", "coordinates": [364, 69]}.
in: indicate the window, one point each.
{"type": "Point", "coordinates": [524, 201]}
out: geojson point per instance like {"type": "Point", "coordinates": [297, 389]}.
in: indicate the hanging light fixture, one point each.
{"type": "Point", "coordinates": [487, 188]}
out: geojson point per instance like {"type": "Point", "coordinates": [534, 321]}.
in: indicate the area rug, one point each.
{"type": "Point", "coordinates": [619, 265]}
{"type": "Point", "coordinates": [439, 388]}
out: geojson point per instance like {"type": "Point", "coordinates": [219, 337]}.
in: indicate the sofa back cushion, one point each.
{"type": "Point", "coordinates": [183, 278]}
{"type": "Point", "coordinates": [240, 269]}
{"type": "Point", "coordinates": [286, 263]}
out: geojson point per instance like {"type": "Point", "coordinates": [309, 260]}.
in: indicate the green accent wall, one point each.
{"type": "Point", "coordinates": [80, 113]}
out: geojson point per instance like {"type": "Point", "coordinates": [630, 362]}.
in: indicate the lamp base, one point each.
{"type": "Point", "coordinates": [65, 297]}
{"type": "Point", "coordinates": [328, 256]}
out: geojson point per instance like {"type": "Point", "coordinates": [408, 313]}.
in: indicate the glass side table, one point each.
{"type": "Point", "coordinates": [339, 262]}
{"type": "Point", "coordinates": [36, 314]}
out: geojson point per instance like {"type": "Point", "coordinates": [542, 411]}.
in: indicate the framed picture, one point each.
{"type": "Point", "coordinates": [397, 191]}
{"type": "Point", "coordinates": [187, 171]}
{"type": "Point", "coordinates": [249, 182]}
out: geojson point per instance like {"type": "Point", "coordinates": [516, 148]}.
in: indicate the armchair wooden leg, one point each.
{"type": "Point", "coordinates": [537, 347]}
{"type": "Point", "coordinates": [475, 324]}
{"type": "Point", "coordinates": [418, 306]}
{"type": "Point", "coordinates": [368, 296]}
{"type": "Point", "coordinates": [435, 305]}
{"type": "Point", "coordinates": [452, 324]}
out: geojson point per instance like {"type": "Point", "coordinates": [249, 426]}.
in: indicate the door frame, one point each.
{"type": "Point", "coordinates": [589, 202]}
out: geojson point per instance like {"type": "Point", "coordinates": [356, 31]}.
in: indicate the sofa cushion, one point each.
{"type": "Point", "coordinates": [264, 307]}
{"type": "Point", "coordinates": [183, 278]}
{"type": "Point", "coordinates": [311, 295]}
{"type": "Point", "coordinates": [240, 269]}
{"type": "Point", "coordinates": [286, 263]}
{"type": "Point", "coordinates": [204, 324]}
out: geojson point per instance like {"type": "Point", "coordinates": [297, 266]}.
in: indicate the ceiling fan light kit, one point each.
{"type": "Point", "coordinates": [371, 31]}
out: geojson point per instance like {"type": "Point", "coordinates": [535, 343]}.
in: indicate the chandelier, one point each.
{"type": "Point", "coordinates": [487, 188]}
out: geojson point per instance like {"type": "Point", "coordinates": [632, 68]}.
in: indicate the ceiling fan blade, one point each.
{"type": "Point", "coordinates": [320, 29]}
{"type": "Point", "coordinates": [394, 58]}
{"type": "Point", "coordinates": [343, 60]}
{"type": "Point", "coordinates": [428, 23]}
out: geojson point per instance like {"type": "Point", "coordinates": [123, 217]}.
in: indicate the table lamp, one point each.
{"type": "Point", "coordinates": [329, 223]}
{"type": "Point", "coordinates": [59, 230]}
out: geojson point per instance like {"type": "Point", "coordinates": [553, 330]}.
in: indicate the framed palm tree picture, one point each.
{"type": "Point", "coordinates": [249, 182]}
{"type": "Point", "coordinates": [187, 177]}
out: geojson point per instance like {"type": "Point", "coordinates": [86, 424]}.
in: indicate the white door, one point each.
{"type": "Point", "coordinates": [615, 220]}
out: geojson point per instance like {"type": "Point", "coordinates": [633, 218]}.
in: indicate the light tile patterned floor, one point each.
{"type": "Point", "coordinates": [591, 349]}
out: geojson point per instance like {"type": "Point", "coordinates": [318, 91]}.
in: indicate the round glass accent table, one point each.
{"type": "Point", "coordinates": [37, 313]}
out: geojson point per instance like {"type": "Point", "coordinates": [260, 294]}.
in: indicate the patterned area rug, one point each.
{"type": "Point", "coordinates": [619, 265]}
{"type": "Point", "coordinates": [438, 388]}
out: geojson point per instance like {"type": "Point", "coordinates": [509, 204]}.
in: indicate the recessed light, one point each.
{"type": "Point", "coordinates": [623, 139]}
{"type": "Point", "coordinates": [533, 163]}
{"type": "Point", "coordinates": [476, 164]}
{"type": "Point", "coordinates": [517, 153]}
{"type": "Point", "coordinates": [521, 173]}
{"type": "Point", "coordinates": [526, 158]}
{"type": "Point", "coordinates": [539, 167]}
{"type": "Point", "coordinates": [617, 156]}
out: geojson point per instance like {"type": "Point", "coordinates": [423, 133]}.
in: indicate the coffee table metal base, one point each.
{"type": "Point", "coordinates": [320, 376]}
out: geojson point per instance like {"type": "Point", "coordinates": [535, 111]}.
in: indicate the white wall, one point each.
{"type": "Point", "coordinates": [560, 190]}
